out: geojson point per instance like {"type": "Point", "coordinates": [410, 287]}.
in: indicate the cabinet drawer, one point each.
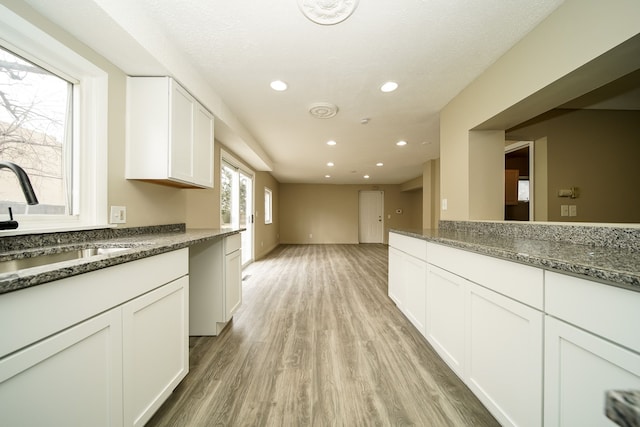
{"type": "Point", "coordinates": [232, 243]}
{"type": "Point", "coordinates": [605, 310]}
{"type": "Point", "coordinates": [520, 282]}
{"type": "Point", "coordinates": [409, 245]}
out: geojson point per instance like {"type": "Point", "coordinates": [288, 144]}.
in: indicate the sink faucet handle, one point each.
{"type": "Point", "coordinates": [11, 224]}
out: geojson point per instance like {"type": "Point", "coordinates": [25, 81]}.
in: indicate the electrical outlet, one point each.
{"type": "Point", "coordinates": [118, 215]}
{"type": "Point", "coordinates": [310, 236]}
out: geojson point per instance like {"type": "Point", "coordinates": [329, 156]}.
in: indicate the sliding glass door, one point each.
{"type": "Point", "coordinates": [236, 203]}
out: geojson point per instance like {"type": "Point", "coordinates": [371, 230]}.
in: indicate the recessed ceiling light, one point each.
{"type": "Point", "coordinates": [278, 85]}
{"type": "Point", "coordinates": [389, 87]}
{"type": "Point", "coordinates": [401, 143]}
{"type": "Point", "coordinates": [327, 176]}
{"type": "Point", "coordinates": [332, 142]}
{"type": "Point", "coordinates": [379, 164]}
{"type": "Point", "coordinates": [366, 177]}
{"type": "Point", "coordinates": [330, 164]}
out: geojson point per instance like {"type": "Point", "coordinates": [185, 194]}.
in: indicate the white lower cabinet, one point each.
{"type": "Point", "coordinates": [155, 349]}
{"type": "Point", "coordinates": [445, 316]}
{"type": "Point", "coordinates": [215, 272]}
{"type": "Point", "coordinates": [102, 349]}
{"type": "Point", "coordinates": [492, 342]}
{"type": "Point", "coordinates": [536, 347]}
{"type": "Point", "coordinates": [592, 345]}
{"type": "Point", "coordinates": [579, 368]}
{"type": "Point", "coordinates": [482, 315]}
{"type": "Point", "coordinates": [73, 378]}
{"type": "Point", "coordinates": [503, 364]}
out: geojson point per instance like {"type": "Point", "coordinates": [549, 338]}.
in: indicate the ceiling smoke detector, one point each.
{"type": "Point", "coordinates": [323, 110]}
{"type": "Point", "coordinates": [327, 12]}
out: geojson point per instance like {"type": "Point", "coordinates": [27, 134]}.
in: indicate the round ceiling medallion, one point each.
{"type": "Point", "coordinates": [323, 110]}
{"type": "Point", "coordinates": [327, 12]}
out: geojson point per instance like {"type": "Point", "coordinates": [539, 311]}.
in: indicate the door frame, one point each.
{"type": "Point", "coordinates": [515, 147]}
{"type": "Point", "coordinates": [226, 157]}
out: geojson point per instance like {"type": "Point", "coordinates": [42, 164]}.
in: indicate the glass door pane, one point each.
{"type": "Point", "coordinates": [246, 216]}
{"type": "Point", "coordinates": [236, 205]}
{"type": "Point", "coordinates": [229, 196]}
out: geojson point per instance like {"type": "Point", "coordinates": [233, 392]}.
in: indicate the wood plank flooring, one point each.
{"type": "Point", "coordinates": [317, 342]}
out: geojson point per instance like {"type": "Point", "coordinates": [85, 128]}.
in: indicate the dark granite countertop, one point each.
{"type": "Point", "coordinates": [609, 265]}
{"type": "Point", "coordinates": [623, 407]}
{"type": "Point", "coordinates": [139, 242]}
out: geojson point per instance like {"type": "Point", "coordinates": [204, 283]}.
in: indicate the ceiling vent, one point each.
{"type": "Point", "coordinates": [327, 12]}
{"type": "Point", "coordinates": [323, 110]}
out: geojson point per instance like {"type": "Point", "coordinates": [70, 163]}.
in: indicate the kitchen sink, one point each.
{"type": "Point", "coordinates": [40, 260]}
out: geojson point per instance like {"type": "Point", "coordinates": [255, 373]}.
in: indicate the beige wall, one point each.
{"type": "Point", "coordinates": [596, 151]}
{"type": "Point", "coordinates": [534, 76]}
{"type": "Point", "coordinates": [203, 205]}
{"type": "Point", "coordinates": [330, 212]}
{"type": "Point", "coordinates": [267, 235]}
{"type": "Point", "coordinates": [431, 194]}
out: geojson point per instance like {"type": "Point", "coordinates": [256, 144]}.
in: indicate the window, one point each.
{"type": "Point", "coordinates": [53, 123]}
{"type": "Point", "coordinates": [523, 190]}
{"type": "Point", "coordinates": [268, 205]}
{"type": "Point", "coordinates": [36, 108]}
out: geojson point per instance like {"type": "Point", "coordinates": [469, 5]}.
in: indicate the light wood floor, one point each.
{"type": "Point", "coordinates": [318, 342]}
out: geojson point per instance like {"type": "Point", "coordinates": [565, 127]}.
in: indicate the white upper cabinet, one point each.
{"type": "Point", "coordinates": [169, 134]}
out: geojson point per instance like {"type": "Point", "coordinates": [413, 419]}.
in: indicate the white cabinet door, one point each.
{"type": "Point", "coordinates": [415, 285]}
{"type": "Point", "coordinates": [181, 129]}
{"type": "Point", "coordinates": [504, 355]}
{"type": "Point", "coordinates": [396, 281]}
{"type": "Point", "coordinates": [233, 284]}
{"type": "Point", "coordinates": [203, 147]}
{"type": "Point", "coordinates": [407, 286]}
{"type": "Point", "coordinates": [155, 348]}
{"type": "Point", "coordinates": [73, 378]}
{"type": "Point", "coordinates": [445, 316]}
{"type": "Point", "coordinates": [579, 369]}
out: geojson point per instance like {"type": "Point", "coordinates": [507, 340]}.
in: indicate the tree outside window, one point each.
{"type": "Point", "coordinates": [35, 133]}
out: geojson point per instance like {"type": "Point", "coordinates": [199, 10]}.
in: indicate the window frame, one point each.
{"type": "Point", "coordinates": [90, 115]}
{"type": "Point", "coordinates": [268, 206]}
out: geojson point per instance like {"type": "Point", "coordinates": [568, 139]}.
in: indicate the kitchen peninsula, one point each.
{"type": "Point", "coordinates": [522, 312]}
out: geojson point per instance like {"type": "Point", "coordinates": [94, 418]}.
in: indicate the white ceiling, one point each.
{"type": "Point", "coordinates": [432, 48]}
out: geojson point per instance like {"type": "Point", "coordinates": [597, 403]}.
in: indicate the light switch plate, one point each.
{"type": "Point", "coordinates": [118, 215]}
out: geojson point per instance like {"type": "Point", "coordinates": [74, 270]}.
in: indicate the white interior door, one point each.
{"type": "Point", "coordinates": [371, 221]}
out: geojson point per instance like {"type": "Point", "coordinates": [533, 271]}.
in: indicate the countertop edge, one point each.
{"type": "Point", "coordinates": [609, 276]}
{"type": "Point", "coordinates": [144, 245]}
